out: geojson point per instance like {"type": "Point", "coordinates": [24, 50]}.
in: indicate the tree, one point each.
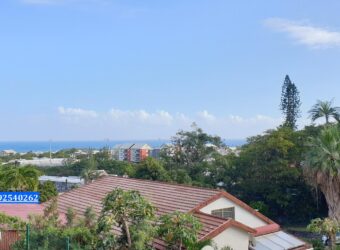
{"type": "Point", "coordinates": [322, 167]}
{"type": "Point", "coordinates": [268, 170]}
{"type": "Point", "coordinates": [190, 147]}
{"type": "Point", "coordinates": [290, 103]}
{"type": "Point", "coordinates": [129, 211]}
{"type": "Point", "coordinates": [324, 109]}
{"type": "Point", "coordinates": [326, 226]}
{"type": "Point", "coordinates": [20, 178]}
{"type": "Point", "coordinates": [179, 230]}
{"type": "Point", "coordinates": [151, 169]}
{"type": "Point", "coordinates": [47, 191]}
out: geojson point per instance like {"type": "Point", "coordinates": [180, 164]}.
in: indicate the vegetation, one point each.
{"type": "Point", "coordinates": [324, 109]}
{"type": "Point", "coordinates": [14, 178]}
{"type": "Point", "coordinates": [47, 191]}
{"type": "Point", "coordinates": [327, 227]}
{"type": "Point", "coordinates": [322, 167]}
{"type": "Point", "coordinates": [130, 212]}
{"type": "Point", "coordinates": [179, 230]}
{"type": "Point", "coordinates": [290, 103]}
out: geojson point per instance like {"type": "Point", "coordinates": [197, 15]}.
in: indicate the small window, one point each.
{"type": "Point", "coordinates": [224, 212]}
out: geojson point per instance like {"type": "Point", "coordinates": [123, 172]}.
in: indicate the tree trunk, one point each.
{"type": "Point", "coordinates": [128, 236]}
{"type": "Point", "coordinates": [330, 187]}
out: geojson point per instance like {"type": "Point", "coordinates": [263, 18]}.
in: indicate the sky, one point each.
{"type": "Point", "coordinates": [132, 69]}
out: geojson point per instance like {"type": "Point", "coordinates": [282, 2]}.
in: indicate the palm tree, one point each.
{"type": "Point", "coordinates": [20, 178]}
{"type": "Point", "coordinates": [322, 167]}
{"type": "Point", "coordinates": [324, 109]}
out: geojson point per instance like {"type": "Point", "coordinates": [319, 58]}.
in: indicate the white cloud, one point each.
{"type": "Point", "coordinates": [142, 124]}
{"type": "Point", "coordinates": [305, 33]}
{"type": "Point", "coordinates": [205, 115]}
{"type": "Point", "coordinates": [77, 112]}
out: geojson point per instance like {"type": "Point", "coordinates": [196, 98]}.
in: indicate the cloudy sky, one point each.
{"type": "Point", "coordinates": [109, 69]}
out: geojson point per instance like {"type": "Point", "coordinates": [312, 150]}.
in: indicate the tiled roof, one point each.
{"type": "Point", "coordinates": [21, 210]}
{"type": "Point", "coordinates": [166, 197]}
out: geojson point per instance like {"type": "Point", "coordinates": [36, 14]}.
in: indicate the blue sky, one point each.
{"type": "Point", "coordinates": [97, 69]}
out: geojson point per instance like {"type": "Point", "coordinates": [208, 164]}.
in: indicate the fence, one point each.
{"type": "Point", "coordinates": [34, 240]}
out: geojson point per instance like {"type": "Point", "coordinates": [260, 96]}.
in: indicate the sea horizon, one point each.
{"type": "Point", "coordinates": [55, 145]}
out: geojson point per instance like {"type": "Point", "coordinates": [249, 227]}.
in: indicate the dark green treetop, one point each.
{"type": "Point", "coordinates": [290, 103]}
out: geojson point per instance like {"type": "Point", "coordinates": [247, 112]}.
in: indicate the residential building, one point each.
{"type": "Point", "coordinates": [131, 152]}
{"type": "Point", "coordinates": [7, 152]}
{"type": "Point", "coordinates": [63, 183]}
{"type": "Point", "coordinates": [226, 220]}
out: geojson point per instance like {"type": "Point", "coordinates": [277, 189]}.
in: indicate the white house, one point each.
{"type": "Point", "coordinates": [226, 220]}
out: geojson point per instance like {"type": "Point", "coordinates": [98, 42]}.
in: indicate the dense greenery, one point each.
{"type": "Point", "coordinates": [13, 178]}
{"type": "Point", "coordinates": [322, 167]}
{"type": "Point", "coordinates": [179, 230]}
{"type": "Point", "coordinates": [132, 214]}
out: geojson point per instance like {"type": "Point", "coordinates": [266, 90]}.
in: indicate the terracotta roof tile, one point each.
{"type": "Point", "coordinates": [166, 197]}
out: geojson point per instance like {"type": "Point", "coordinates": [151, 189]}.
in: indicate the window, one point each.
{"type": "Point", "coordinates": [224, 212]}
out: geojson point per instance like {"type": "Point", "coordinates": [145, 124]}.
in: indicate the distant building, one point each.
{"type": "Point", "coordinates": [155, 153]}
{"type": "Point", "coordinates": [7, 152]}
{"type": "Point", "coordinates": [42, 162]}
{"type": "Point", "coordinates": [131, 152]}
{"type": "Point", "coordinates": [63, 183]}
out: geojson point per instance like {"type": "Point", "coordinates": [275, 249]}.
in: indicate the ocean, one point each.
{"type": "Point", "coordinates": [44, 146]}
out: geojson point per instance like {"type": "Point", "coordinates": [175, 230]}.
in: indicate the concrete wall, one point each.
{"type": "Point", "coordinates": [241, 214]}
{"type": "Point", "coordinates": [232, 237]}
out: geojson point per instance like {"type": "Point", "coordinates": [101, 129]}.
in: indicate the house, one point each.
{"type": "Point", "coordinates": [131, 152]}
{"type": "Point", "coordinates": [7, 152]}
{"type": "Point", "coordinates": [226, 220]}
{"type": "Point", "coordinates": [63, 183]}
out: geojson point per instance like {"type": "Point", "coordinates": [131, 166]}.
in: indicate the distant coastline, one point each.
{"type": "Point", "coordinates": [44, 146]}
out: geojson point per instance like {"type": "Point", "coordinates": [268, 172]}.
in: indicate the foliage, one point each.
{"type": "Point", "coordinates": [290, 103]}
{"type": "Point", "coordinates": [48, 233]}
{"type": "Point", "coordinates": [322, 167]}
{"type": "Point", "coordinates": [19, 178]}
{"type": "Point", "coordinates": [179, 230]}
{"type": "Point", "coordinates": [129, 211]}
{"type": "Point", "coordinates": [324, 109]}
{"type": "Point", "coordinates": [190, 147]}
{"type": "Point", "coordinates": [268, 170]}
{"type": "Point", "coordinates": [151, 169]}
{"type": "Point", "coordinates": [47, 191]}
{"type": "Point", "coordinates": [326, 226]}
{"type": "Point", "coordinates": [10, 222]}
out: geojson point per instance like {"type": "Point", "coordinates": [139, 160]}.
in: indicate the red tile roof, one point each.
{"type": "Point", "coordinates": [166, 197]}
{"type": "Point", "coordinates": [21, 210]}
{"type": "Point", "coordinates": [267, 229]}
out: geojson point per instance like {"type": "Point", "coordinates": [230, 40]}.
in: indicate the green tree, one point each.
{"type": "Point", "coordinates": [290, 103]}
{"type": "Point", "coordinates": [47, 191]}
{"type": "Point", "coordinates": [324, 109]}
{"type": "Point", "coordinates": [327, 226]}
{"type": "Point", "coordinates": [129, 211]}
{"type": "Point", "coordinates": [322, 167]}
{"type": "Point", "coordinates": [268, 170]}
{"type": "Point", "coordinates": [179, 230]}
{"type": "Point", "coordinates": [151, 169]}
{"type": "Point", "coordinates": [189, 148]}
{"type": "Point", "coordinates": [20, 178]}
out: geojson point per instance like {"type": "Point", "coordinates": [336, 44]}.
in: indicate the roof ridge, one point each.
{"type": "Point", "coordinates": [166, 183]}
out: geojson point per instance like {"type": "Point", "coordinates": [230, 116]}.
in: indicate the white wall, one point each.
{"type": "Point", "coordinates": [241, 214]}
{"type": "Point", "coordinates": [232, 237]}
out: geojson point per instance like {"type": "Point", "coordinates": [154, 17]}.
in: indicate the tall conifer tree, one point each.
{"type": "Point", "coordinates": [290, 103]}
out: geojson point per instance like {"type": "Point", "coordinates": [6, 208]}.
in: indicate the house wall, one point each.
{"type": "Point", "coordinates": [241, 214]}
{"type": "Point", "coordinates": [232, 237]}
